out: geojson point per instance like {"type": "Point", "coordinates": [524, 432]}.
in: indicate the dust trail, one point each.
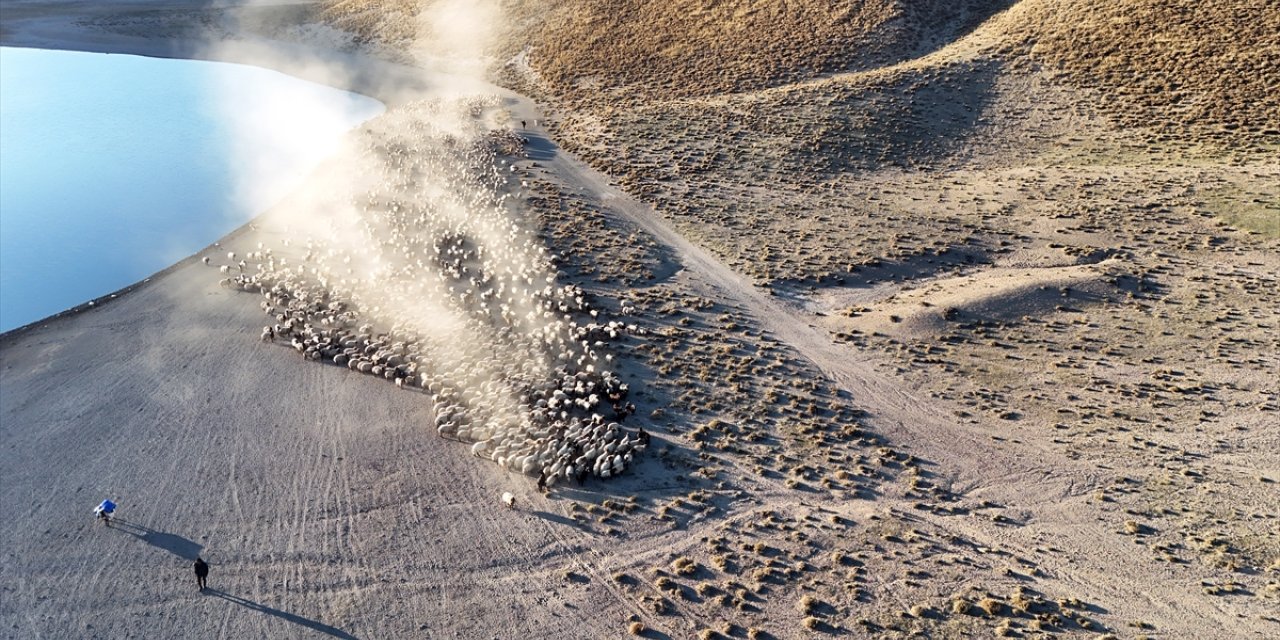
{"type": "Point", "coordinates": [407, 257]}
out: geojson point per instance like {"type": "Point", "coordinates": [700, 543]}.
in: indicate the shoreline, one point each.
{"type": "Point", "coordinates": [253, 51]}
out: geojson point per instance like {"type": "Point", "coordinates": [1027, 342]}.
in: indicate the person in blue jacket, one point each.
{"type": "Point", "coordinates": [105, 511]}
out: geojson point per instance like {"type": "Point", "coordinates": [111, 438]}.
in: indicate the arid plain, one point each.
{"type": "Point", "coordinates": [948, 319]}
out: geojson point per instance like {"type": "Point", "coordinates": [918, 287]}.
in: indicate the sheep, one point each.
{"type": "Point", "coordinates": [490, 274]}
{"type": "Point", "coordinates": [509, 499]}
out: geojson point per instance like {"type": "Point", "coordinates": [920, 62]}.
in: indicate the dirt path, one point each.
{"type": "Point", "coordinates": [923, 426]}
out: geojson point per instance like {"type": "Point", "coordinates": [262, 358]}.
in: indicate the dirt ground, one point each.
{"type": "Point", "coordinates": [1017, 381]}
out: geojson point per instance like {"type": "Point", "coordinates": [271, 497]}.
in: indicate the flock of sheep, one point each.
{"type": "Point", "coordinates": [413, 266]}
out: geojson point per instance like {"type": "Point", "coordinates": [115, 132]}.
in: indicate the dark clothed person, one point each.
{"type": "Point", "coordinates": [202, 572]}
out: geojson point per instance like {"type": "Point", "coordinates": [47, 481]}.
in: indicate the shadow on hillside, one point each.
{"type": "Point", "coordinates": [284, 615]}
{"type": "Point", "coordinates": [916, 122]}
{"type": "Point", "coordinates": [949, 261]}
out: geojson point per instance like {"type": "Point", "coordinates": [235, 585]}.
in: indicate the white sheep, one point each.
{"type": "Point", "coordinates": [501, 284]}
{"type": "Point", "coordinates": [509, 499]}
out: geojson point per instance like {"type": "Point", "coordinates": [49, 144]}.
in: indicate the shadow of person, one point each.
{"type": "Point", "coordinates": [556, 518]}
{"type": "Point", "coordinates": [173, 543]}
{"type": "Point", "coordinates": [314, 625]}
{"type": "Point", "coordinates": [539, 147]}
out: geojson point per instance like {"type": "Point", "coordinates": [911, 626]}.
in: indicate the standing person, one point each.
{"type": "Point", "coordinates": [202, 572]}
{"type": "Point", "coordinates": [105, 511]}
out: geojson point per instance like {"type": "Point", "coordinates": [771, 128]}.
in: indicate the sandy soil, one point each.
{"type": "Point", "coordinates": [321, 500]}
{"type": "Point", "coordinates": [833, 457]}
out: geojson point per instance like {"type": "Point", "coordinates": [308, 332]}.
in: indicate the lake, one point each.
{"type": "Point", "coordinates": [113, 167]}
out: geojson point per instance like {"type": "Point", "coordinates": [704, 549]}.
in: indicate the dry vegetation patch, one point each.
{"type": "Point", "coordinates": [1173, 65]}
{"type": "Point", "coordinates": [1056, 220]}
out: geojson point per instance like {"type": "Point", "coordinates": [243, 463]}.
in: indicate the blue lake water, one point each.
{"type": "Point", "coordinates": [113, 167]}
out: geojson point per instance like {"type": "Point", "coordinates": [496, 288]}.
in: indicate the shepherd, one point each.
{"type": "Point", "coordinates": [104, 511]}
{"type": "Point", "coordinates": [202, 572]}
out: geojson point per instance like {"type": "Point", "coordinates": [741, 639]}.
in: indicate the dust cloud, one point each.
{"type": "Point", "coordinates": [408, 256]}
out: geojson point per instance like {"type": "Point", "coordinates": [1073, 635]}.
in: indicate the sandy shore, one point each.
{"type": "Point", "coordinates": [801, 485]}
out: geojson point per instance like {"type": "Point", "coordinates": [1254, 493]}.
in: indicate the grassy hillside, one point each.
{"type": "Point", "coordinates": [1170, 64]}
{"type": "Point", "coordinates": [702, 47]}
{"type": "Point", "coordinates": [1164, 64]}
{"type": "Point", "coordinates": [388, 23]}
{"type": "Point", "coordinates": [692, 47]}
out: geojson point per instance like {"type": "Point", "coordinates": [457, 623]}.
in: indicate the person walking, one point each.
{"type": "Point", "coordinates": [105, 511]}
{"type": "Point", "coordinates": [202, 572]}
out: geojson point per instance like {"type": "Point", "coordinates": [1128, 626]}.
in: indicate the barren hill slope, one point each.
{"type": "Point", "coordinates": [1154, 63]}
